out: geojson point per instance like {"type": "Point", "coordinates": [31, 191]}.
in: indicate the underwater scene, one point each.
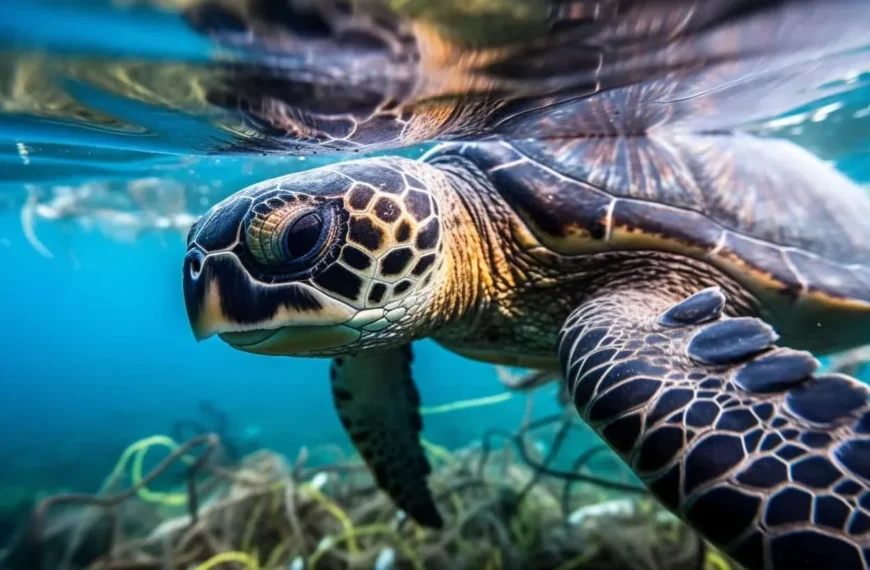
{"type": "Point", "coordinates": [434, 284]}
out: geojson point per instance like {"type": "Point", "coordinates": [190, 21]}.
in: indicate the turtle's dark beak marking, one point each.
{"type": "Point", "coordinates": [195, 290]}
{"type": "Point", "coordinates": [220, 298]}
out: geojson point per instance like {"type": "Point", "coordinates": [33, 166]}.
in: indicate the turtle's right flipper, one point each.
{"type": "Point", "coordinates": [744, 440]}
{"type": "Point", "coordinates": [379, 406]}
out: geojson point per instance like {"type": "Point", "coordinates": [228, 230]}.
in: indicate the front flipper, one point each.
{"type": "Point", "coordinates": [744, 440]}
{"type": "Point", "coordinates": [379, 406]}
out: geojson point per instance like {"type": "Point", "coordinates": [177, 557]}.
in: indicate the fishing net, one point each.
{"type": "Point", "coordinates": [505, 504]}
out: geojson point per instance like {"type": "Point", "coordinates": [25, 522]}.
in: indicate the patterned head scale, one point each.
{"type": "Point", "coordinates": [352, 247]}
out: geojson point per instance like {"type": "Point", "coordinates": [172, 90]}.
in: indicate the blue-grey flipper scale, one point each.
{"type": "Point", "coordinates": [379, 406]}
{"type": "Point", "coordinates": [701, 307]}
{"type": "Point", "coordinates": [768, 460]}
{"type": "Point", "coordinates": [731, 341]}
{"type": "Point", "coordinates": [777, 371]}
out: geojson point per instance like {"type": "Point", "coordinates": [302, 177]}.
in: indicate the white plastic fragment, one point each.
{"type": "Point", "coordinates": [822, 113]}
{"type": "Point", "coordinates": [123, 212]}
{"type": "Point", "coordinates": [27, 224]}
{"type": "Point", "coordinates": [296, 564]}
{"type": "Point", "coordinates": [170, 526]}
{"type": "Point", "coordinates": [386, 559]}
{"type": "Point", "coordinates": [319, 480]}
{"type": "Point", "coordinates": [617, 508]}
{"type": "Point", "coordinates": [23, 153]}
{"type": "Point", "coordinates": [325, 543]}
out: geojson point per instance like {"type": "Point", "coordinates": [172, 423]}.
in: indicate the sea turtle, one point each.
{"type": "Point", "coordinates": [657, 262]}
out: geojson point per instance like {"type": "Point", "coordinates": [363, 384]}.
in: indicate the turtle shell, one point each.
{"type": "Point", "coordinates": [765, 212]}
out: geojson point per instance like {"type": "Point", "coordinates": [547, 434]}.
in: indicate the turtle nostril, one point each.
{"type": "Point", "coordinates": [195, 267]}
{"type": "Point", "coordinates": [194, 263]}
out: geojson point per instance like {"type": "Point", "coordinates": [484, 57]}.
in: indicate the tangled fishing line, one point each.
{"type": "Point", "coordinates": [505, 507]}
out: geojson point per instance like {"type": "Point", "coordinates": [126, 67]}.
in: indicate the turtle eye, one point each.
{"type": "Point", "coordinates": [287, 239]}
{"type": "Point", "coordinates": [303, 236]}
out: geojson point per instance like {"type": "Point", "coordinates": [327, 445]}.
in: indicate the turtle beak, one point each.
{"type": "Point", "coordinates": [292, 318]}
{"type": "Point", "coordinates": [201, 295]}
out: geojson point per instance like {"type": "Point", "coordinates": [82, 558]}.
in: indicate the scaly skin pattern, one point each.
{"type": "Point", "coordinates": [380, 271]}
{"type": "Point", "coordinates": [740, 438]}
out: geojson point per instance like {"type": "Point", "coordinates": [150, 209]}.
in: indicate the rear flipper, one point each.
{"type": "Point", "coordinates": [379, 406]}
{"type": "Point", "coordinates": [744, 440]}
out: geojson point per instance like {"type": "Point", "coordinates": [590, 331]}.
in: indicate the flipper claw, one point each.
{"type": "Point", "coordinates": [827, 399]}
{"type": "Point", "coordinates": [701, 307]}
{"type": "Point", "coordinates": [775, 372]}
{"type": "Point", "coordinates": [730, 341]}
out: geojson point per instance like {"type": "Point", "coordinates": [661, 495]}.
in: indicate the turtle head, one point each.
{"type": "Point", "coordinates": [321, 262]}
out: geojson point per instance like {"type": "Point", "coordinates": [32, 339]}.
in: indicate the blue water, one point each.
{"type": "Point", "coordinates": [98, 353]}
{"type": "Point", "coordinates": [95, 348]}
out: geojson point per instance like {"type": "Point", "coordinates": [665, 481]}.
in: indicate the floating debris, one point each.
{"type": "Point", "coordinates": [386, 560]}
{"type": "Point", "coordinates": [23, 152]}
{"type": "Point", "coordinates": [121, 211]}
{"type": "Point", "coordinates": [504, 508]}
{"type": "Point", "coordinates": [616, 508]}
{"type": "Point", "coordinates": [28, 224]}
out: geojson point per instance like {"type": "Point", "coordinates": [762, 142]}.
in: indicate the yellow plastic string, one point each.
{"type": "Point", "coordinates": [338, 513]}
{"type": "Point", "coordinates": [137, 452]}
{"type": "Point", "coordinates": [461, 543]}
{"type": "Point", "coordinates": [277, 553]}
{"type": "Point", "coordinates": [373, 529]}
{"type": "Point", "coordinates": [251, 525]}
{"type": "Point", "coordinates": [465, 404]}
{"type": "Point", "coordinates": [168, 499]}
{"type": "Point", "coordinates": [249, 561]}
{"type": "Point", "coordinates": [437, 451]}
{"type": "Point", "coordinates": [716, 561]}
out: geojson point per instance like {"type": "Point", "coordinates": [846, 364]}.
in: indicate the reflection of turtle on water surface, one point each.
{"type": "Point", "coordinates": [635, 242]}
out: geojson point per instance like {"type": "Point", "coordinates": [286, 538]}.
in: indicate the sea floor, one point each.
{"type": "Point", "coordinates": [505, 503]}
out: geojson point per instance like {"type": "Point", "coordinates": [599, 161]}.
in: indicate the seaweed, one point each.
{"type": "Point", "coordinates": [505, 507]}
